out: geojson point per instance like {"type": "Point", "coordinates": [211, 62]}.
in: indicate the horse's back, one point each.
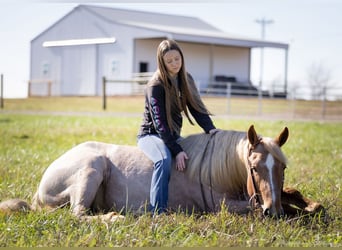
{"type": "Point", "coordinates": [76, 158]}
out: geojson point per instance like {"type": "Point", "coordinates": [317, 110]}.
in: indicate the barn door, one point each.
{"type": "Point", "coordinates": [78, 70]}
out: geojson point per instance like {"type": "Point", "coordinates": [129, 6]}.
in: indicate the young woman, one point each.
{"type": "Point", "coordinates": [170, 92]}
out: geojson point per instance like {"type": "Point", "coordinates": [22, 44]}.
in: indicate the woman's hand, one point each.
{"type": "Point", "coordinates": [180, 161]}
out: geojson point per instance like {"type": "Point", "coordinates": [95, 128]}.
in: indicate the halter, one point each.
{"type": "Point", "coordinates": [255, 195]}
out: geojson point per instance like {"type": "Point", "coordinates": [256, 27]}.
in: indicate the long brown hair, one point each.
{"type": "Point", "coordinates": [188, 97]}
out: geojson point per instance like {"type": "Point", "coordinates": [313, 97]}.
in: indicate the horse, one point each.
{"type": "Point", "coordinates": [240, 170]}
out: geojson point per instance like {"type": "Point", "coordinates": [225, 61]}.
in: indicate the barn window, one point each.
{"type": "Point", "coordinates": [114, 67]}
{"type": "Point", "coordinates": [45, 68]}
{"type": "Point", "coordinates": [143, 67]}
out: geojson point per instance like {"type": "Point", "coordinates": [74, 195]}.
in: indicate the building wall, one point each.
{"type": "Point", "coordinates": [146, 51]}
{"type": "Point", "coordinates": [78, 70]}
{"type": "Point", "coordinates": [71, 68]}
{"type": "Point", "coordinates": [232, 61]}
{"type": "Point", "coordinates": [204, 62]}
{"type": "Point", "coordinates": [45, 66]}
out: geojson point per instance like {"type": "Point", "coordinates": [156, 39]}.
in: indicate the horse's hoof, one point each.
{"type": "Point", "coordinates": [314, 208]}
{"type": "Point", "coordinates": [113, 217]}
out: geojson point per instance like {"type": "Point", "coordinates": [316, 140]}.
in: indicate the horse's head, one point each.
{"type": "Point", "coordinates": [266, 165]}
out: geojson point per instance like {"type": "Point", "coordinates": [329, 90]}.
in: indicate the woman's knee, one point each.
{"type": "Point", "coordinates": [164, 163]}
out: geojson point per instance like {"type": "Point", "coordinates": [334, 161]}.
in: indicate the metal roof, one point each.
{"type": "Point", "coordinates": [125, 16]}
{"type": "Point", "coordinates": [182, 28]}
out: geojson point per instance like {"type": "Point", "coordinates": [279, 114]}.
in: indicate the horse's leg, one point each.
{"type": "Point", "coordinates": [84, 196]}
{"type": "Point", "coordinates": [108, 217]}
{"type": "Point", "coordinates": [85, 189]}
{"type": "Point", "coordinates": [293, 203]}
{"type": "Point", "coordinates": [238, 206]}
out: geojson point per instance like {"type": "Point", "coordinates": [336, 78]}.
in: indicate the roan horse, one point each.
{"type": "Point", "coordinates": [238, 169]}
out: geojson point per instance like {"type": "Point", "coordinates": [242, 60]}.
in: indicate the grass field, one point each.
{"type": "Point", "coordinates": [34, 132]}
{"type": "Point", "coordinates": [237, 106]}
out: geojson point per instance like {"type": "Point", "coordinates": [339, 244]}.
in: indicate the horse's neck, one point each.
{"type": "Point", "coordinates": [237, 163]}
{"type": "Point", "coordinates": [219, 161]}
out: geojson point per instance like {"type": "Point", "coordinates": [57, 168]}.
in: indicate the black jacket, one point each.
{"type": "Point", "coordinates": [155, 120]}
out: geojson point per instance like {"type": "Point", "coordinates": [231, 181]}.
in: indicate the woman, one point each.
{"type": "Point", "coordinates": [170, 92]}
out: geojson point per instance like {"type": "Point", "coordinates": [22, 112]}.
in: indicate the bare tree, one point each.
{"type": "Point", "coordinates": [319, 78]}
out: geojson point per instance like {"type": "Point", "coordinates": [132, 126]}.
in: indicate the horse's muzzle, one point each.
{"type": "Point", "coordinates": [274, 213]}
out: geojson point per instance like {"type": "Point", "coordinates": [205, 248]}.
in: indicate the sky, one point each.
{"type": "Point", "coordinates": [312, 28]}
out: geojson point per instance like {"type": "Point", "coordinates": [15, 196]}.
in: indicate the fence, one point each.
{"type": "Point", "coordinates": [280, 108]}
{"type": "Point", "coordinates": [299, 102]}
{"type": "Point", "coordinates": [42, 86]}
{"type": "Point", "coordinates": [135, 86]}
{"type": "Point", "coordinates": [235, 100]}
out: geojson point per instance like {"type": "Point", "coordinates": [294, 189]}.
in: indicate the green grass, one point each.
{"type": "Point", "coordinates": [236, 106]}
{"type": "Point", "coordinates": [30, 142]}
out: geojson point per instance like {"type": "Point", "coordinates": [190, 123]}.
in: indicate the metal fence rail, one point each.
{"type": "Point", "coordinates": [307, 102]}
{"type": "Point", "coordinates": [297, 103]}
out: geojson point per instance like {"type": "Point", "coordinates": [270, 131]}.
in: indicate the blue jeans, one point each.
{"type": "Point", "coordinates": [156, 150]}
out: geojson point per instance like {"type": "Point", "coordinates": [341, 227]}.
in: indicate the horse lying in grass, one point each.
{"type": "Point", "coordinates": [238, 169]}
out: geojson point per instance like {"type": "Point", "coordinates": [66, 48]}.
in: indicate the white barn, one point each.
{"type": "Point", "coordinates": [90, 43]}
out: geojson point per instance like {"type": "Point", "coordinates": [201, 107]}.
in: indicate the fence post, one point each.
{"type": "Point", "coordinates": [229, 95]}
{"type": "Point", "coordinates": [324, 101]}
{"type": "Point", "coordinates": [293, 104]}
{"type": "Point", "coordinates": [2, 91]}
{"type": "Point", "coordinates": [49, 88]}
{"type": "Point", "coordinates": [259, 101]}
{"type": "Point", "coordinates": [104, 101]}
{"type": "Point", "coordinates": [29, 89]}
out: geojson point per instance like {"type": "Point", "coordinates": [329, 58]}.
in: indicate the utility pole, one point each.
{"type": "Point", "coordinates": [263, 22]}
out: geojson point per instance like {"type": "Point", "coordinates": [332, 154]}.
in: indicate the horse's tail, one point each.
{"type": "Point", "coordinates": [19, 205]}
{"type": "Point", "coordinates": [15, 205]}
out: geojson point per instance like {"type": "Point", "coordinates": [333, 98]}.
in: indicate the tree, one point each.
{"type": "Point", "coordinates": [319, 78]}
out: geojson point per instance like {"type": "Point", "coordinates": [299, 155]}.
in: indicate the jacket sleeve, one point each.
{"type": "Point", "coordinates": [202, 119]}
{"type": "Point", "coordinates": [156, 102]}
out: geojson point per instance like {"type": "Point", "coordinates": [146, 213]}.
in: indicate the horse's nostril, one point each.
{"type": "Point", "coordinates": [267, 212]}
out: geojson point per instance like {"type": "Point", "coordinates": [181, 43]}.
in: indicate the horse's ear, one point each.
{"type": "Point", "coordinates": [282, 137]}
{"type": "Point", "coordinates": [252, 136]}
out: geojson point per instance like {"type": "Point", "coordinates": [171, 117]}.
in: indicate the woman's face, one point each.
{"type": "Point", "coordinates": [173, 62]}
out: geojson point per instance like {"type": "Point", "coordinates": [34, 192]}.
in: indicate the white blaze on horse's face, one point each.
{"type": "Point", "coordinates": [270, 165]}
{"type": "Point", "coordinates": [266, 171]}
{"type": "Point", "coordinates": [273, 206]}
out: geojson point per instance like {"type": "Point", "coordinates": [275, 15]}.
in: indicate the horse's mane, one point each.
{"type": "Point", "coordinates": [220, 158]}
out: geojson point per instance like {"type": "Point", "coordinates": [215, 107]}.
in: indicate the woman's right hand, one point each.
{"type": "Point", "coordinates": [181, 157]}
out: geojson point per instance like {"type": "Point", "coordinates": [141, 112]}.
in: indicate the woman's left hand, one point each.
{"type": "Point", "coordinates": [180, 161]}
